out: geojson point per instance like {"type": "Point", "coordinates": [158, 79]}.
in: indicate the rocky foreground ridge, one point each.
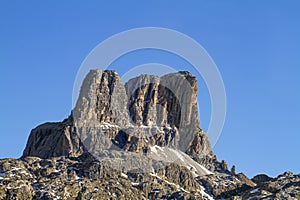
{"type": "Point", "coordinates": [141, 140]}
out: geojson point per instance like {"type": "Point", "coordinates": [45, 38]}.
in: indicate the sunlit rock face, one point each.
{"type": "Point", "coordinates": [146, 111]}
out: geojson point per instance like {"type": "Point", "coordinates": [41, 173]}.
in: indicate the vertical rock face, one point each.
{"type": "Point", "coordinates": [146, 111]}
{"type": "Point", "coordinates": [169, 102]}
{"type": "Point", "coordinates": [166, 101]}
{"type": "Point", "coordinates": [102, 99]}
{"type": "Point", "coordinates": [142, 93]}
{"type": "Point", "coordinates": [101, 110]}
{"type": "Point", "coordinates": [54, 139]}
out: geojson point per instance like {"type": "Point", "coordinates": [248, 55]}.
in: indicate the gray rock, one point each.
{"type": "Point", "coordinates": [149, 115]}
{"type": "Point", "coordinates": [54, 139]}
{"type": "Point", "coordinates": [69, 178]}
{"type": "Point", "coordinates": [261, 178]}
{"type": "Point", "coordinates": [146, 111]}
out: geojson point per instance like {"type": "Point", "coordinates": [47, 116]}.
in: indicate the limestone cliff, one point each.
{"type": "Point", "coordinates": [146, 111]}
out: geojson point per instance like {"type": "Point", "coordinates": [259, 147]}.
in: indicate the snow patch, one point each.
{"type": "Point", "coordinates": [134, 184]}
{"type": "Point", "coordinates": [254, 191]}
{"type": "Point", "coordinates": [106, 125]}
{"type": "Point", "coordinates": [203, 193]}
{"type": "Point", "coordinates": [124, 175]}
{"type": "Point", "coordinates": [15, 168]}
{"type": "Point", "coordinates": [167, 154]}
{"type": "Point", "coordinates": [78, 178]}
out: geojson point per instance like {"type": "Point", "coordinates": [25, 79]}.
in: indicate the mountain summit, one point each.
{"type": "Point", "coordinates": [138, 140]}
{"type": "Point", "coordinates": [147, 111]}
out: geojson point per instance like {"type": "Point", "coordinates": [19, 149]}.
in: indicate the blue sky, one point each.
{"type": "Point", "coordinates": [255, 46]}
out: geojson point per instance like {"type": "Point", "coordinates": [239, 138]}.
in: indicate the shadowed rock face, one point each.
{"type": "Point", "coordinates": [146, 111]}
{"type": "Point", "coordinates": [52, 140]}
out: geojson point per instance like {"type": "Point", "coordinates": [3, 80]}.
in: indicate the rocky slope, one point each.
{"type": "Point", "coordinates": [71, 178]}
{"type": "Point", "coordinates": [139, 140]}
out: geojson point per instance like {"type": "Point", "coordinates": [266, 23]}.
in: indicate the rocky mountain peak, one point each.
{"type": "Point", "coordinates": [148, 110]}
{"type": "Point", "coordinates": [150, 122]}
